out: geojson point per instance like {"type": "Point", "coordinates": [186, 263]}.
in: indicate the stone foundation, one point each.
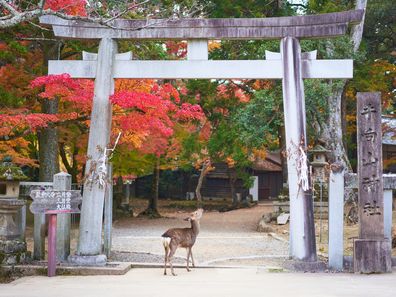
{"type": "Point", "coordinates": [304, 266]}
{"type": "Point", "coordinates": [96, 260]}
{"type": "Point", "coordinates": [372, 256]}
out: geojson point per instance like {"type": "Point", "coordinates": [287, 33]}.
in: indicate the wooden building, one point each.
{"type": "Point", "coordinates": [270, 177]}
{"type": "Point", "coordinates": [389, 144]}
{"type": "Point", "coordinates": [217, 185]}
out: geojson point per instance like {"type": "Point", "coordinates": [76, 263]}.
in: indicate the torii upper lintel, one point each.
{"type": "Point", "coordinates": [311, 26]}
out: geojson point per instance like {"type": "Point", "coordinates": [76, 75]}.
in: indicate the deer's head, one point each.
{"type": "Point", "coordinates": [195, 216]}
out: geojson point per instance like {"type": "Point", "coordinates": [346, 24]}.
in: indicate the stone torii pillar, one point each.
{"type": "Point", "coordinates": [89, 248]}
{"type": "Point", "coordinates": [101, 67]}
{"type": "Point", "coordinates": [302, 225]}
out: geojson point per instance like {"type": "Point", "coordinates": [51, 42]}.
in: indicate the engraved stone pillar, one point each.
{"type": "Point", "coordinates": [39, 237]}
{"type": "Point", "coordinates": [388, 205]}
{"type": "Point", "coordinates": [302, 229]}
{"type": "Point", "coordinates": [336, 217]}
{"type": "Point", "coordinates": [90, 237]}
{"type": "Point", "coordinates": [21, 221]}
{"type": "Point", "coordinates": [371, 251]}
{"type": "Point", "coordinates": [108, 213]}
{"type": "Point", "coordinates": [62, 182]}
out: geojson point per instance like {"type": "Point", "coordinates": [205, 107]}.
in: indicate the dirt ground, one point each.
{"type": "Point", "coordinates": [226, 238]}
{"type": "Point", "coordinates": [350, 233]}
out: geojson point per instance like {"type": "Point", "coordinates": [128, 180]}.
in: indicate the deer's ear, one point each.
{"type": "Point", "coordinates": [198, 213]}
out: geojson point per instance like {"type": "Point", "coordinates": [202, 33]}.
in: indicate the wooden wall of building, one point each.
{"type": "Point", "coordinates": [176, 184]}
{"type": "Point", "coordinates": [388, 153]}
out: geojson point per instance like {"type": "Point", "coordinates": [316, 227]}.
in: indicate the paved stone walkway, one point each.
{"type": "Point", "coordinates": [205, 282]}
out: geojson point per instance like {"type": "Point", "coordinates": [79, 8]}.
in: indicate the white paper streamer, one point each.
{"type": "Point", "coordinates": [303, 170]}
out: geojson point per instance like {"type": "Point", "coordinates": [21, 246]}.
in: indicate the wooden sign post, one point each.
{"type": "Point", "coordinates": [54, 203]}
{"type": "Point", "coordinates": [372, 252]}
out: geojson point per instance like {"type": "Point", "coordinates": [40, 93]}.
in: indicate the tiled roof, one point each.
{"type": "Point", "coordinates": [272, 162]}
{"type": "Point", "coordinates": [266, 165]}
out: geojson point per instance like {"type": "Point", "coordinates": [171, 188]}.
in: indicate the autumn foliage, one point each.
{"type": "Point", "coordinates": [71, 7]}
{"type": "Point", "coordinates": [153, 115]}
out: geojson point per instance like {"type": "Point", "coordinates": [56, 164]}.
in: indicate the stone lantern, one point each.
{"type": "Point", "coordinates": [319, 163]}
{"type": "Point", "coordinates": [12, 249]}
{"type": "Point", "coordinates": [319, 176]}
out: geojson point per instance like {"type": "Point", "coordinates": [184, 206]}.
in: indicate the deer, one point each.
{"type": "Point", "coordinates": [181, 237]}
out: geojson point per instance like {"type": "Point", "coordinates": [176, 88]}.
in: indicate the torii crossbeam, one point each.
{"type": "Point", "coordinates": [290, 65]}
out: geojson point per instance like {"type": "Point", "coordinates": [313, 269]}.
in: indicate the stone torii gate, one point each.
{"type": "Point", "coordinates": [290, 65]}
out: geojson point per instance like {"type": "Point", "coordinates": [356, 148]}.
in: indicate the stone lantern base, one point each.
{"type": "Point", "coordinates": [12, 252]}
{"type": "Point", "coordinates": [12, 249]}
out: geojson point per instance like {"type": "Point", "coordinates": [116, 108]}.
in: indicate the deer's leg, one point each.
{"type": "Point", "coordinates": [166, 258]}
{"type": "Point", "coordinates": [172, 251]}
{"type": "Point", "coordinates": [188, 258]}
{"type": "Point", "coordinates": [192, 258]}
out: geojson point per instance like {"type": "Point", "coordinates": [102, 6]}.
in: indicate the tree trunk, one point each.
{"type": "Point", "coordinates": [331, 133]}
{"type": "Point", "coordinates": [357, 31]}
{"type": "Point", "coordinates": [48, 137]}
{"type": "Point", "coordinates": [185, 183]}
{"type": "Point", "coordinates": [48, 144]}
{"type": "Point", "coordinates": [48, 159]}
{"type": "Point", "coordinates": [204, 171]}
{"type": "Point", "coordinates": [118, 193]}
{"type": "Point", "coordinates": [344, 121]}
{"type": "Point", "coordinates": [282, 144]}
{"type": "Point", "coordinates": [72, 168]}
{"type": "Point", "coordinates": [232, 179]}
{"type": "Point", "coordinates": [152, 209]}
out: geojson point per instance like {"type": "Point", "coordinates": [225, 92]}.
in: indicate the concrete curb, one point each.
{"type": "Point", "coordinates": [121, 268]}
{"type": "Point", "coordinates": [305, 266]}
{"type": "Point", "coordinates": [117, 268]}
{"type": "Point", "coordinates": [157, 265]}
{"type": "Point", "coordinates": [111, 268]}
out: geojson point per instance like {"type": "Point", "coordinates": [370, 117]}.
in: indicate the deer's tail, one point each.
{"type": "Point", "coordinates": [166, 242]}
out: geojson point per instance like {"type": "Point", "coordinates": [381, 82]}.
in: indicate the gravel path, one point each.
{"type": "Point", "coordinates": [225, 238]}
